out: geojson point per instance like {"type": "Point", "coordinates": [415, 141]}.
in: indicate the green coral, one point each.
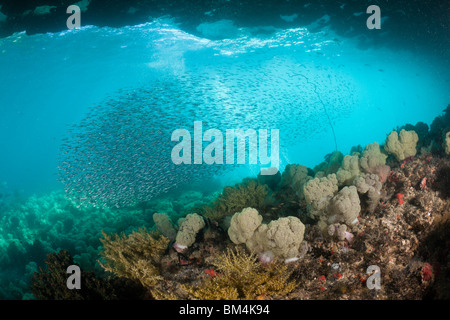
{"type": "Point", "coordinates": [372, 157]}
{"type": "Point", "coordinates": [331, 164]}
{"type": "Point", "coordinates": [241, 276]}
{"type": "Point", "coordinates": [349, 171]}
{"type": "Point", "coordinates": [249, 193]}
{"type": "Point", "coordinates": [295, 176]}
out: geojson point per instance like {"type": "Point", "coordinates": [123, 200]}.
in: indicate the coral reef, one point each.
{"type": "Point", "coordinates": [402, 145]}
{"type": "Point", "coordinates": [402, 211]}
{"type": "Point", "coordinates": [241, 276]}
{"type": "Point", "coordinates": [136, 256]}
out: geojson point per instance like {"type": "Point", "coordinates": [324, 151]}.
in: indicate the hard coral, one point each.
{"type": "Point", "coordinates": [136, 256]}
{"type": "Point", "coordinates": [241, 276]}
{"type": "Point", "coordinates": [50, 284]}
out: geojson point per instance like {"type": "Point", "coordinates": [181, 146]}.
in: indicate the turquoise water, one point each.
{"type": "Point", "coordinates": [78, 88]}
{"type": "Point", "coordinates": [289, 80]}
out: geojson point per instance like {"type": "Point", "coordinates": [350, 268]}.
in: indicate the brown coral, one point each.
{"type": "Point", "coordinates": [136, 256]}
{"type": "Point", "coordinates": [241, 276]}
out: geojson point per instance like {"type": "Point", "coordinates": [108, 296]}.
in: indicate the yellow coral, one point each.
{"type": "Point", "coordinates": [241, 276]}
{"type": "Point", "coordinates": [135, 256]}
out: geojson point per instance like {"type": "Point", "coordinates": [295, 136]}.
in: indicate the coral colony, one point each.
{"type": "Point", "coordinates": [305, 233]}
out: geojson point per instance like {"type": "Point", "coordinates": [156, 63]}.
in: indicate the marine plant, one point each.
{"type": "Point", "coordinates": [239, 275]}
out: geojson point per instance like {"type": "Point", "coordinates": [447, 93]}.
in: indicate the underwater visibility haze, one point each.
{"type": "Point", "coordinates": [87, 118]}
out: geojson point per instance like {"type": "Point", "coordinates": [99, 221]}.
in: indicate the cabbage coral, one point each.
{"type": "Point", "coordinates": [349, 170]}
{"type": "Point", "coordinates": [280, 238]}
{"type": "Point", "coordinates": [372, 157]}
{"type": "Point", "coordinates": [249, 193]}
{"type": "Point", "coordinates": [402, 146]}
{"type": "Point", "coordinates": [318, 193]}
{"type": "Point", "coordinates": [189, 228]}
{"type": "Point", "coordinates": [295, 176]}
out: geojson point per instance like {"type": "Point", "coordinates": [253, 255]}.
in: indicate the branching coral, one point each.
{"type": "Point", "coordinates": [241, 276]}
{"type": "Point", "coordinates": [50, 284]}
{"type": "Point", "coordinates": [136, 256]}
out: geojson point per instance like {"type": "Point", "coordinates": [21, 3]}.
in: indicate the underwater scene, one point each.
{"type": "Point", "coordinates": [224, 150]}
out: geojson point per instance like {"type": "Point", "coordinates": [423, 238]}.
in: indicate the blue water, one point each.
{"type": "Point", "coordinates": [305, 84]}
